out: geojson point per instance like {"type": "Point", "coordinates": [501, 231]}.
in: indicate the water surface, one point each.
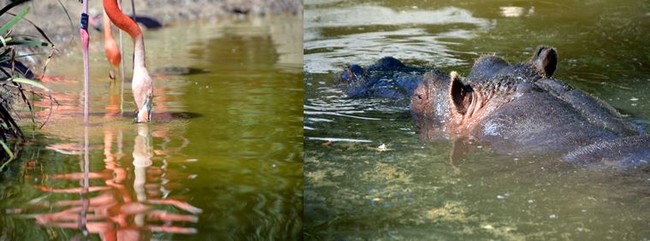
{"type": "Point", "coordinates": [222, 159]}
{"type": "Point", "coordinates": [369, 177]}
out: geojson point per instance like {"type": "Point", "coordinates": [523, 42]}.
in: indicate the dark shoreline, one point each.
{"type": "Point", "coordinates": [61, 27]}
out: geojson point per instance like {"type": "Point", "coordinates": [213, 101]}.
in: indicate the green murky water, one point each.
{"type": "Point", "coordinates": [224, 158]}
{"type": "Point", "coordinates": [221, 161]}
{"type": "Point", "coordinates": [369, 177]}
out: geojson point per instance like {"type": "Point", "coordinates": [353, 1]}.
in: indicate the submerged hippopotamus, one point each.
{"type": "Point", "coordinates": [520, 109]}
{"type": "Point", "coordinates": [387, 78]}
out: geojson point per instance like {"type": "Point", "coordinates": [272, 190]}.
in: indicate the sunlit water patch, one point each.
{"type": "Point", "coordinates": [408, 34]}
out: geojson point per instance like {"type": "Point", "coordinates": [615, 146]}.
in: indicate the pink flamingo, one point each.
{"type": "Point", "coordinates": [142, 84]}
{"type": "Point", "coordinates": [111, 49]}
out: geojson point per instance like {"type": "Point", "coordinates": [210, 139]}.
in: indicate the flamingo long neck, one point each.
{"type": "Point", "coordinates": [127, 24]}
{"type": "Point", "coordinates": [108, 32]}
{"type": "Point", "coordinates": [138, 52]}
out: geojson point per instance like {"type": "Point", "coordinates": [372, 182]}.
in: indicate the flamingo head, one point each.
{"type": "Point", "coordinates": [142, 87]}
{"type": "Point", "coordinates": [144, 114]}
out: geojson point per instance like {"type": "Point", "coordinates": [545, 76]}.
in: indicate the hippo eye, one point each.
{"type": "Point", "coordinates": [419, 97]}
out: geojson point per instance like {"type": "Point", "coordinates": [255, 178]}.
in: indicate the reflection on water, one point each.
{"type": "Point", "coordinates": [405, 34]}
{"type": "Point", "coordinates": [125, 203]}
{"type": "Point", "coordinates": [222, 159]}
{"type": "Point", "coordinates": [514, 11]}
{"type": "Point", "coordinates": [126, 198]}
{"type": "Point", "coordinates": [369, 177]}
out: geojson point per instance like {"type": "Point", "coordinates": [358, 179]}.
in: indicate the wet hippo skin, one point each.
{"type": "Point", "coordinates": [520, 109]}
{"type": "Point", "coordinates": [517, 109]}
{"type": "Point", "coordinates": [387, 78]}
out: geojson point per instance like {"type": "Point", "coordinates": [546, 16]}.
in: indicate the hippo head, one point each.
{"type": "Point", "coordinates": [542, 64]}
{"type": "Point", "coordinates": [444, 105]}
{"type": "Point", "coordinates": [355, 73]}
{"type": "Point", "coordinates": [351, 74]}
{"type": "Point", "coordinates": [435, 102]}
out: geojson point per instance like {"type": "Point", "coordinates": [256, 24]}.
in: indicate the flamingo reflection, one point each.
{"type": "Point", "coordinates": [115, 210]}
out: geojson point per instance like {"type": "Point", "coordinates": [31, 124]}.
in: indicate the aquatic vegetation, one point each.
{"type": "Point", "coordinates": [16, 77]}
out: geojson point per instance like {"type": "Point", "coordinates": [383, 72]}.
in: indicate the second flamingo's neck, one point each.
{"type": "Point", "coordinates": [108, 32]}
{"type": "Point", "coordinates": [127, 24]}
{"type": "Point", "coordinates": [111, 48]}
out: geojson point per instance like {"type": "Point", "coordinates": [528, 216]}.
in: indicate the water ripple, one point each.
{"type": "Point", "coordinates": [333, 139]}
{"type": "Point", "coordinates": [376, 37]}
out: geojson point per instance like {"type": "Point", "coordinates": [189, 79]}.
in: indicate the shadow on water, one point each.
{"type": "Point", "coordinates": [222, 159]}
{"type": "Point", "coordinates": [178, 71]}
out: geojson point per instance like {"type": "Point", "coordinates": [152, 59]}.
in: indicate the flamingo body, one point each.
{"type": "Point", "coordinates": [142, 84]}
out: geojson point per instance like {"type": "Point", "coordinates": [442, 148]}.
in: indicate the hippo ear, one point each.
{"type": "Point", "coordinates": [461, 94]}
{"type": "Point", "coordinates": [351, 74]}
{"type": "Point", "coordinates": [545, 61]}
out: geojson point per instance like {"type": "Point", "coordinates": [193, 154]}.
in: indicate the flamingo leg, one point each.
{"type": "Point", "coordinates": [85, 40]}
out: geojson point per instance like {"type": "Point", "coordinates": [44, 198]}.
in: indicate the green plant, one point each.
{"type": "Point", "coordinates": [14, 74]}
